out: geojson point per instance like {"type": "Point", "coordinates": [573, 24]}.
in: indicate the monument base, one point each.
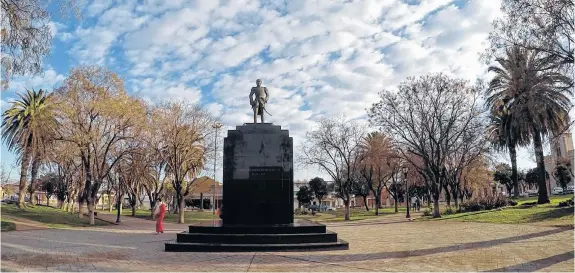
{"type": "Point", "coordinates": [302, 235]}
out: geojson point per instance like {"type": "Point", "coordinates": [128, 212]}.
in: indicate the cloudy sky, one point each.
{"type": "Point", "coordinates": [317, 58]}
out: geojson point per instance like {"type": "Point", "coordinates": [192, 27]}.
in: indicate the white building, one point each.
{"type": "Point", "coordinates": [561, 150]}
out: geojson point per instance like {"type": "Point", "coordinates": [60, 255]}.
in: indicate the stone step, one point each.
{"type": "Point", "coordinates": [295, 228]}
{"type": "Point", "coordinates": [211, 247]}
{"type": "Point", "coordinates": [298, 238]}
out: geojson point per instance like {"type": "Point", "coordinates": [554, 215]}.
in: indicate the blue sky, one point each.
{"type": "Point", "coordinates": [316, 57]}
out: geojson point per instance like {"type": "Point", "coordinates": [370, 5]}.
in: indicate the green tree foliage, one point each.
{"type": "Point", "coordinates": [503, 175]}
{"type": "Point", "coordinates": [563, 176]}
{"type": "Point", "coordinates": [49, 183]}
{"type": "Point", "coordinates": [319, 188]}
{"type": "Point", "coordinates": [27, 127]}
{"type": "Point", "coordinates": [304, 195]}
{"type": "Point", "coordinates": [536, 98]}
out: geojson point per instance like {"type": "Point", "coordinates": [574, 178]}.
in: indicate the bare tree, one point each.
{"type": "Point", "coordinates": [334, 147]}
{"type": "Point", "coordinates": [428, 117]}
{"type": "Point", "coordinates": [26, 35]}
{"type": "Point", "coordinates": [544, 25]}
{"type": "Point", "coordinates": [155, 174]}
{"type": "Point", "coordinates": [101, 120]}
{"type": "Point", "coordinates": [377, 150]}
{"type": "Point", "coordinates": [186, 129]}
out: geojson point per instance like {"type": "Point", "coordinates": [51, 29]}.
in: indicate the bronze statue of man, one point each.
{"type": "Point", "coordinates": [259, 102]}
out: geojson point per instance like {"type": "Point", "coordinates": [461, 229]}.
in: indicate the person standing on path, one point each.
{"type": "Point", "coordinates": [160, 213]}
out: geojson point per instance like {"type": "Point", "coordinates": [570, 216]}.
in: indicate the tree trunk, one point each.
{"type": "Point", "coordinates": [513, 156]}
{"type": "Point", "coordinates": [71, 206]}
{"type": "Point", "coordinates": [543, 197]}
{"type": "Point", "coordinates": [377, 204]}
{"type": "Point", "coordinates": [80, 207]}
{"type": "Point", "coordinates": [455, 201]}
{"type": "Point", "coordinates": [181, 203]}
{"type": "Point", "coordinates": [47, 201]}
{"type": "Point", "coordinates": [33, 182]}
{"type": "Point", "coordinates": [447, 195]}
{"type": "Point", "coordinates": [395, 201]}
{"type": "Point", "coordinates": [436, 207]}
{"type": "Point", "coordinates": [177, 204]}
{"type": "Point", "coordinates": [365, 203]}
{"type": "Point", "coordinates": [119, 207]}
{"type": "Point", "coordinates": [90, 205]}
{"type": "Point", "coordinates": [110, 202]}
{"type": "Point", "coordinates": [346, 203]}
{"type": "Point", "coordinates": [152, 206]}
{"type": "Point", "coordinates": [23, 176]}
{"type": "Point", "coordinates": [133, 211]}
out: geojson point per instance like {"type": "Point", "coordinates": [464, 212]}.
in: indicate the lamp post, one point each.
{"type": "Point", "coordinates": [405, 170]}
{"type": "Point", "coordinates": [216, 126]}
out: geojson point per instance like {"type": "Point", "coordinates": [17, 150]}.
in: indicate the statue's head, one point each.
{"type": "Point", "coordinates": [259, 82]}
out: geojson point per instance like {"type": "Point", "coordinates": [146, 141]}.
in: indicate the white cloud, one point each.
{"type": "Point", "coordinates": [316, 57]}
{"type": "Point", "coordinates": [97, 7]}
{"type": "Point", "coordinates": [47, 80]}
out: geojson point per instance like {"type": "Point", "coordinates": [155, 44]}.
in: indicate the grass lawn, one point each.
{"type": "Point", "coordinates": [326, 216]}
{"type": "Point", "coordinates": [355, 214]}
{"type": "Point", "coordinates": [555, 199]}
{"type": "Point", "coordinates": [51, 217]}
{"type": "Point", "coordinates": [7, 225]}
{"type": "Point", "coordinates": [547, 214]}
{"type": "Point", "coordinates": [189, 216]}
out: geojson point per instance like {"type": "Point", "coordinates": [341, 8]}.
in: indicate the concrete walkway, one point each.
{"type": "Point", "coordinates": [389, 244]}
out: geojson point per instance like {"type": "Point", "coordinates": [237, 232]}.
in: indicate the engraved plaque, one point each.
{"type": "Point", "coordinates": [266, 173]}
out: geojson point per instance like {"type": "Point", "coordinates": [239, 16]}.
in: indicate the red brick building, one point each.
{"type": "Point", "coordinates": [386, 200]}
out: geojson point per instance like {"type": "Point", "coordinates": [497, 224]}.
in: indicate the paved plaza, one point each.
{"type": "Point", "coordinates": [387, 244]}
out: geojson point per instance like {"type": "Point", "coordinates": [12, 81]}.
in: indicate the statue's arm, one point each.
{"type": "Point", "coordinates": [251, 93]}
{"type": "Point", "coordinates": [267, 94]}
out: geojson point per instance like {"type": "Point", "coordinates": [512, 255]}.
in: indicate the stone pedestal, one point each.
{"type": "Point", "coordinates": [258, 175]}
{"type": "Point", "coordinates": [258, 200]}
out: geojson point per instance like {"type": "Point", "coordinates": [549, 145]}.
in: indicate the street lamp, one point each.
{"type": "Point", "coordinates": [405, 170]}
{"type": "Point", "coordinates": [216, 126]}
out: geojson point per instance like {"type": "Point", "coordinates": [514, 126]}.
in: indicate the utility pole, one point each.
{"type": "Point", "coordinates": [407, 201]}
{"type": "Point", "coordinates": [216, 126]}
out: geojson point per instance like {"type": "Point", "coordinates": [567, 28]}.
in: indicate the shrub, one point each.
{"type": "Point", "coordinates": [472, 205]}
{"type": "Point", "coordinates": [566, 203]}
{"type": "Point", "coordinates": [512, 203]}
{"type": "Point", "coordinates": [299, 211]}
{"type": "Point", "coordinates": [427, 212]}
{"type": "Point", "coordinates": [486, 203]}
{"type": "Point", "coordinates": [450, 210]}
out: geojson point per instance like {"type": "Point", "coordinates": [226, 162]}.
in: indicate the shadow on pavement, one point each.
{"type": "Point", "coordinates": [537, 264]}
{"type": "Point", "coordinates": [436, 250]}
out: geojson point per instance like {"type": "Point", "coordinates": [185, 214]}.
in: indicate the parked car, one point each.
{"type": "Point", "coordinates": [557, 191]}
{"type": "Point", "coordinates": [531, 193]}
{"type": "Point", "coordinates": [569, 189]}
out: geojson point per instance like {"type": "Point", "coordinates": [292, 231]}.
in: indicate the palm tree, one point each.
{"type": "Point", "coordinates": [26, 127]}
{"type": "Point", "coordinates": [536, 96]}
{"type": "Point", "coordinates": [506, 133]}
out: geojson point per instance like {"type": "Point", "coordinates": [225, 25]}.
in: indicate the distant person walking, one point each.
{"type": "Point", "coordinates": [160, 212]}
{"type": "Point", "coordinates": [418, 203]}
